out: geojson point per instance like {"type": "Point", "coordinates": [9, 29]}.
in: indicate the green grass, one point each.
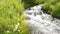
{"type": "Point", "coordinates": [23, 27]}
{"type": "Point", "coordinates": [11, 12]}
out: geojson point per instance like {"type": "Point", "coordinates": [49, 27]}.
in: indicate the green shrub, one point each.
{"type": "Point", "coordinates": [40, 1]}
{"type": "Point", "coordinates": [30, 3]}
{"type": "Point", "coordinates": [52, 7]}
{"type": "Point", "coordinates": [10, 17]}
{"type": "Point", "coordinates": [56, 10]}
{"type": "Point", "coordinates": [46, 6]}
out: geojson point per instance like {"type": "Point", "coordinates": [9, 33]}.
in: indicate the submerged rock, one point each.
{"type": "Point", "coordinates": [40, 22]}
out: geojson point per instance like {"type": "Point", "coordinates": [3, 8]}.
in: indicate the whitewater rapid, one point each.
{"type": "Point", "coordinates": [40, 22]}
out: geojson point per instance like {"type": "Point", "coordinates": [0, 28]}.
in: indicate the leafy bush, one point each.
{"type": "Point", "coordinates": [46, 6]}
{"type": "Point", "coordinates": [52, 7]}
{"type": "Point", "coordinates": [56, 10]}
{"type": "Point", "coordinates": [10, 17]}
{"type": "Point", "coordinates": [30, 3]}
{"type": "Point", "coordinates": [40, 1]}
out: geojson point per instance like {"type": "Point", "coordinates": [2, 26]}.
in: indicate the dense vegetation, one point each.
{"type": "Point", "coordinates": [30, 3]}
{"type": "Point", "coordinates": [52, 7]}
{"type": "Point", "coordinates": [12, 17]}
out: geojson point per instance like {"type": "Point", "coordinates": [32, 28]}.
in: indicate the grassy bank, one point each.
{"type": "Point", "coordinates": [11, 14]}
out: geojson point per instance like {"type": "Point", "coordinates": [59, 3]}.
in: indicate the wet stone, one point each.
{"type": "Point", "coordinates": [27, 18]}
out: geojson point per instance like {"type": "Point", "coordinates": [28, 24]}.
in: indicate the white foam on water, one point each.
{"type": "Point", "coordinates": [40, 22]}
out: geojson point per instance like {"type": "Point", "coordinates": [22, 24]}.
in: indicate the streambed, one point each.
{"type": "Point", "coordinates": [40, 22]}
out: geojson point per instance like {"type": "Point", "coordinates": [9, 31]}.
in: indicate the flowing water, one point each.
{"type": "Point", "coordinates": [40, 22]}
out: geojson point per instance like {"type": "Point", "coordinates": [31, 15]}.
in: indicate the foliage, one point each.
{"type": "Point", "coordinates": [40, 1]}
{"type": "Point", "coordinates": [30, 3]}
{"type": "Point", "coordinates": [10, 16]}
{"type": "Point", "coordinates": [23, 27]}
{"type": "Point", "coordinates": [56, 10]}
{"type": "Point", "coordinates": [46, 6]}
{"type": "Point", "coordinates": [52, 7]}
